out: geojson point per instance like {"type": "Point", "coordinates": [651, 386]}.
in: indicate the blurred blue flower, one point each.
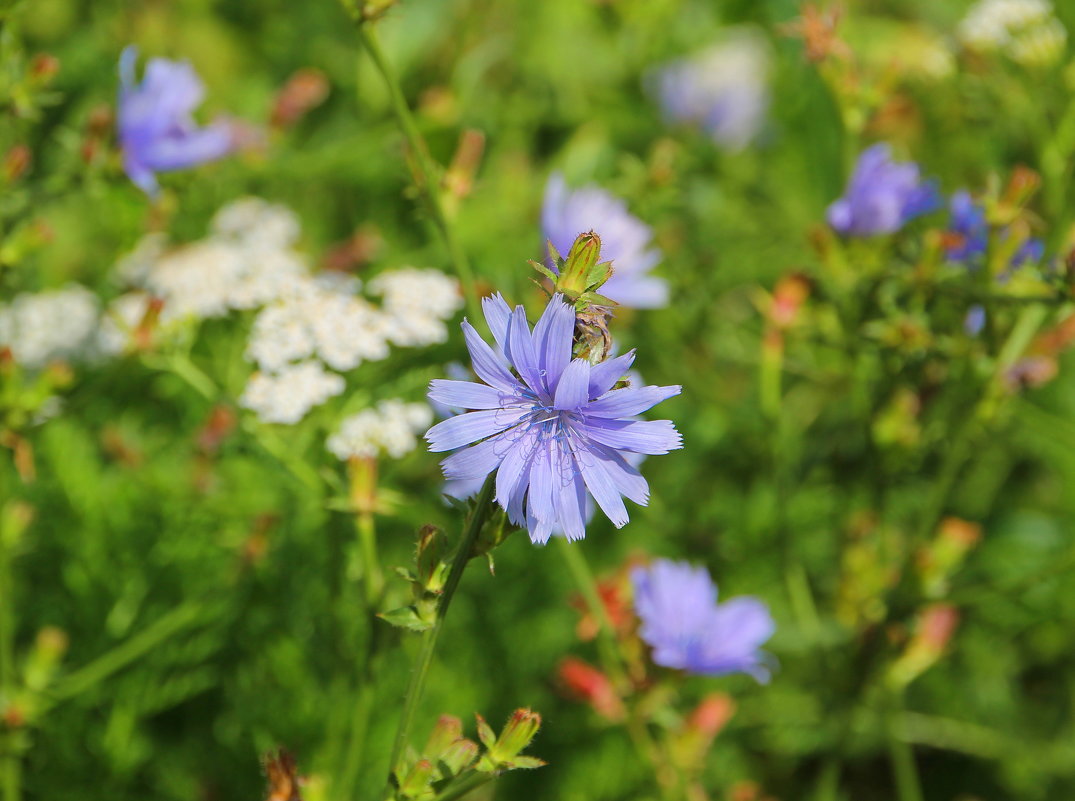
{"type": "Point", "coordinates": [554, 430]}
{"type": "Point", "coordinates": [974, 322]}
{"type": "Point", "coordinates": [625, 240]}
{"type": "Point", "coordinates": [156, 129]}
{"type": "Point", "coordinates": [969, 234]}
{"type": "Point", "coordinates": [882, 195]}
{"type": "Point", "coordinates": [689, 630]}
{"type": "Point", "coordinates": [723, 89]}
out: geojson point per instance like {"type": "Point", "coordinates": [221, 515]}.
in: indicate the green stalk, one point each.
{"type": "Point", "coordinates": [11, 769]}
{"type": "Point", "coordinates": [429, 636]}
{"type": "Point", "coordinates": [901, 757]}
{"type": "Point", "coordinates": [373, 581]}
{"type": "Point", "coordinates": [373, 578]}
{"type": "Point", "coordinates": [612, 662]}
{"type": "Point", "coordinates": [464, 785]}
{"type": "Point", "coordinates": [424, 170]}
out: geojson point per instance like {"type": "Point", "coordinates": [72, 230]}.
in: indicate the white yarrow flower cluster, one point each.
{"type": "Point", "coordinates": [49, 326]}
{"type": "Point", "coordinates": [341, 329]}
{"type": "Point", "coordinates": [1026, 30]}
{"type": "Point", "coordinates": [246, 262]}
{"type": "Point", "coordinates": [389, 428]}
{"type": "Point", "coordinates": [287, 395]}
{"type": "Point", "coordinates": [306, 326]}
{"type": "Point", "coordinates": [417, 302]}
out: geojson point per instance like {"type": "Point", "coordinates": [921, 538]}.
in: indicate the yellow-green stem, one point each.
{"type": "Point", "coordinates": [429, 636]}
{"type": "Point", "coordinates": [426, 173]}
{"type": "Point", "coordinates": [612, 662]}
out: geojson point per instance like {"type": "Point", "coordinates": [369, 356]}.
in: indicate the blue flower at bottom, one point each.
{"type": "Point", "coordinates": [688, 630]}
{"type": "Point", "coordinates": [554, 430]}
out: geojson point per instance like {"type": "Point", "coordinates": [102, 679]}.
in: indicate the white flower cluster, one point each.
{"type": "Point", "coordinates": [246, 262]}
{"type": "Point", "coordinates": [322, 318]}
{"type": "Point", "coordinates": [287, 395]}
{"type": "Point", "coordinates": [1026, 30]}
{"type": "Point", "coordinates": [390, 427]}
{"type": "Point", "coordinates": [416, 303]}
{"type": "Point", "coordinates": [46, 326]}
{"type": "Point", "coordinates": [306, 324]}
{"type": "Point", "coordinates": [313, 319]}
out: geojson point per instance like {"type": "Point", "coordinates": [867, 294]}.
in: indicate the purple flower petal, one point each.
{"type": "Point", "coordinates": [464, 429]}
{"type": "Point", "coordinates": [629, 401]}
{"type": "Point", "coordinates": [573, 391]}
{"type": "Point", "coordinates": [604, 376]}
{"type": "Point", "coordinates": [467, 394]}
{"type": "Point", "coordinates": [651, 437]}
{"type": "Point", "coordinates": [489, 368]}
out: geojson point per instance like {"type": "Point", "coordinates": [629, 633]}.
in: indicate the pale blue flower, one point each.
{"type": "Point", "coordinates": [552, 428]}
{"type": "Point", "coordinates": [688, 630]}
{"type": "Point", "coordinates": [723, 89]}
{"type": "Point", "coordinates": [157, 131]}
{"type": "Point", "coordinates": [882, 195]}
{"type": "Point", "coordinates": [625, 240]}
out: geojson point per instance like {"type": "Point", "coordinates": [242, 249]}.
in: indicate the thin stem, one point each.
{"type": "Point", "coordinates": [461, 787]}
{"type": "Point", "coordinates": [11, 770]}
{"type": "Point", "coordinates": [373, 578]}
{"type": "Point", "coordinates": [360, 721]}
{"type": "Point", "coordinates": [901, 757]}
{"type": "Point", "coordinates": [429, 636]}
{"type": "Point", "coordinates": [424, 170]}
{"type": "Point", "coordinates": [612, 661]}
{"type": "Point", "coordinates": [606, 633]}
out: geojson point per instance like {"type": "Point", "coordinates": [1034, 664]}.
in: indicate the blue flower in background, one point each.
{"type": "Point", "coordinates": [969, 234]}
{"type": "Point", "coordinates": [882, 195]}
{"type": "Point", "coordinates": [156, 129]}
{"type": "Point", "coordinates": [688, 630]}
{"type": "Point", "coordinates": [724, 89]}
{"type": "Point", "coordinates": [555, 430]}
{"type": "Point", "coordinates": [625, 240]}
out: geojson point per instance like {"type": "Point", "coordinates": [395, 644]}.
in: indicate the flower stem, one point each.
{"type": "Point", "coordinates": [612, 661]}
{"type": "Point", "coordinates": [467, 784]}
{"type": "Point", "coordinates": [373, 579]}
{"type": "Point", "coordinates": [11, 770]}
{"type": "Point", "coordinates": [423, 169]}
{"type": "Point", "coordinates": [908, 786]}
{"type": "Point", "coordinates": [429, 637]}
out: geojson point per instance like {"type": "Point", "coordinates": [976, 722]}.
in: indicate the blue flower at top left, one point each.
{"type": "Point", "coordinates": [157, 131]}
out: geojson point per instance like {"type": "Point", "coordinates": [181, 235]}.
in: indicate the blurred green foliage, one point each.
{"type": "Point", "coordinates": [246, 578]}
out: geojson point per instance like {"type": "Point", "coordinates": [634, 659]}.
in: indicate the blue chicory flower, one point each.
{"type": "Point", "coordinates": [688, 630]}
{"type": "Point", "coordinates": [554, 430]}
{"type": "Point", "coordinates": [156, 129]}
{"type": "Point", "coordinates": [882, 195]}
{"type": "Point", "coordinates": [969, 234]}
{"type": "Point", "coordinates": [723, 89]}
{"type": "Point", "coordinates": [625, 240]}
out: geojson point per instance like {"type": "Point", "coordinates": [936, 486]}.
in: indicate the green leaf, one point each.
{"type": "Point", "coordinates": [406, 617]}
